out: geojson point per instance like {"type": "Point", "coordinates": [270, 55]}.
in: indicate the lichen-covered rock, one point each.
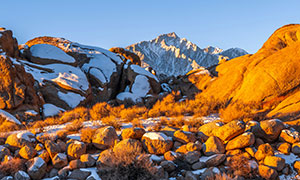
{"type": "Point", "coordinates": [284, 148]}
{"type": "Point", "coordinates": [241, 141]}
{"type": "Point", "coordinates": [76, 149]}
{"type": "Point", "coordinates": [105, 137]}
{"type": "Point", "coordinates": [52, 148]}
{"type": "Point", "coordinates": [184, 137]}
{"type": "Point", "coordinates": [60, 160]}
{"type": "Point", "coordinates": [215, 160]}
{"type": "Point", "coordinates": [269, 130]}
{"type": "Point", "coordinates": [37, 168]}
{"type": "Point", "coordinates": [171, 156]}
{"type": "Point", "coordinates": [21, 139]}
{"type": "Point", "coordinates": [213, 145]}
{"type": "Point", "coordinates": [157, 142]}
{"type": "Point", "coordinates": [27, 152]}
{"type": "Point", "coordinates": [133, 133]}
{"type": "Point", "coordinates": [230, 130]}
{"type": "Point", "coordinates": [128, 147]}
{"type": "Point", "coordinates": [88, 160]}
{"type": "Point", "coordinates": [263, 151]}
{"type": "Point", "coordinates": [267, 172]}
{"type": "Point", "coordinates": [192, 156]}
{"type": "Point", "coordinates": [209, 128]}
{"type": "Point", "coordinates": [277, 163]}
{"type": "Point", "coordinates": [290, 136]}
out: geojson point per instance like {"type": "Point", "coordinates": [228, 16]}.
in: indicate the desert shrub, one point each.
{"type": "Point", "coordinates": [133, 112]}
{"type": "Point", "coordinates": [173, 122]}
{"type": "Point", "coordinates": [79, 113]}
{"type": "Point", "coordinates": [62, 134]}
{"type": "Point", "coordinates": [7, 126]}
{"type": "Point", "coordinates": [87, 134]}
{"type": "Point", "coordinates": [129, 164]}
{"type": "Point", "coordinates": [111, 121]}
{"type": "Point", "coordinates": [239, 165]}
{"type": "Point", "coordinates": [74, 126]}
{"type": "Point", "coordinates": [163, 107]}
{"type": "Point", "coordinates": [136, 122]}
{"type": "Point", "coordinates": [12, 166]}
{"type": "Point", "coordinates": [100, 110]}
{"type": "Point", "coordinates": [115, 111]}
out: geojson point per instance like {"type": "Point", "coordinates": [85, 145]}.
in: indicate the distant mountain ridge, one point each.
{"type": "Point", "coordinates": [171, 55]}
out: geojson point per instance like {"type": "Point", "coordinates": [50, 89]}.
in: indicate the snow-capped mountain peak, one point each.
{"type": "Point", "coordinates": [171, 55]}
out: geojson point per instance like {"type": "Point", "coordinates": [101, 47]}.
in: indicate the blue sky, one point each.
{"type": "Point", "coordinates": [224, 23]}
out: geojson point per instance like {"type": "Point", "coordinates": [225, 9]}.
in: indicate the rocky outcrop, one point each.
{"type": "Point", "coordinates": [8, 44]}
{"type": "Point", "coordinates": [102, 67]}
{"type": "Point", "coordinates": [85, 74]}
{"type": "Point", "coordinates": [137, 83]}
{"type": "Point", "coordinates": [268, 77]}
{"type": "Point", "coordinates": [127, 55]}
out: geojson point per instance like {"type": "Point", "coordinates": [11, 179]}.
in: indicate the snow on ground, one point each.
{"type": "Point", "coordinates": [26, 135]}
{"type": "Point", "coordinates": [51, 110]}
{"type": "Point", "coordinates": [157, 136]}
{"type": "Point", "coordinates": [93, 171]}
{"type": "Point", "coordinates": [142, 71]}
{"type": "Point", "coordinates": [199, 171]}
{"type": "Point", "coordinates": [47, 51]}
{"type": "Point", "coordinates": [102, 66]}
{"type": "Point", "coordinates": [61, 74]}
{"type": "Point", "coordinates": [72, 99]}
{"type": "Point", "coordinates": [289, 159]}
{"type": "Point", "coordinates": [9, 117]}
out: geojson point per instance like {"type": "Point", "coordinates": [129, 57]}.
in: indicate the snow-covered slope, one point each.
{"type": "Point", "coordinates": [171, 55]}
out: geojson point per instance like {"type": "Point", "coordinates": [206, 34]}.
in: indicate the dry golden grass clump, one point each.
{"type": "Point", "coordinates": [129, 164]}
{"type": "Point", "coordinates": [87, 134]}
{"type": "Point", "coordinates": [100, 110]}
{"type": "Point", "coordinates": [6, 126]}
{"type": "Point", "coordinates": [12, 166]}
{"type": "Point", "coordinates": [79, 113]}
{"type": "Point", "coordinates": [239, 165]}
{"type": "Point", "coordinates": [131, 113]}
{"type": "Point", "coordinates": [74, 126]}
{"type": "Point", "coordinates": [112, 121]}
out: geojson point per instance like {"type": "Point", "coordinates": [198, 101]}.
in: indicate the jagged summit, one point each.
{"type": "Point", "coordinates": [171, 55]}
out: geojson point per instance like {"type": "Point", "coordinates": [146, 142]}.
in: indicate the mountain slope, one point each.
{"type": "Point", "coordinates": [171, 55]}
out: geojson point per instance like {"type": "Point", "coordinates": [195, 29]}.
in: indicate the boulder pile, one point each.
{"type": "Point", "coordinates": [266, 149]}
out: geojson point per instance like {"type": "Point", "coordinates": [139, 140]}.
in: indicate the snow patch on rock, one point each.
{"type": "Point", "coordinates": [72, 99]}
{"type": "Point", "coordinates": [51, 110]}
{"type": "Point", "coordinates": [47, 51]}
{"type": "Point", "coordinates": [9, 117]}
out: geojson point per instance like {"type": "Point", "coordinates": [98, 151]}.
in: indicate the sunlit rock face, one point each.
{"type": "Point", "coordinates": [269, 77]}
{"type": "Point", "coordinates": [171, 55]}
